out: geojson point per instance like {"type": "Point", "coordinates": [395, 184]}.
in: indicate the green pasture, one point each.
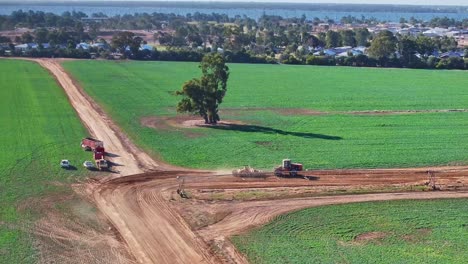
{"type": "Point", "coordinates": [38, 129]}
{"type": "Point", "coordinates": [273, 105]}
{"type": "Point", "coordinates": [434, 231]}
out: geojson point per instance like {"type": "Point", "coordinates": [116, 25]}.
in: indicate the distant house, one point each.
{"type": "Point", "coordinates": [32, 46]}
{"type": "Point", "coordinates": [43, 46]}
{"type": "Point", "coordinates": [94, 19]}
{"type": "Point", "coordinates": [100, 45]}
{"type": "Point", "coordinates": [116, 56]}
{"type": "Point", "coordinates": [24, 47]}
{"type": "Point", "coordinates": [327, 52]}
{"type": "Point", "coordinates": [146, 47]}
{"type": "Point", "coordinates": [451, 54]}
{"type": "Point", "coordinates": [414, 31]}
{"type": "Point", "coordinates": [435, 32]}
{"type": "Point", "coordinates": [338, 51]}
{"type": "Point", "coordinates": [404, 31]}
{"type": "Point", "coordinates": [83, 45]}
{"type": "Point", "coordinates": [342, 49]}
{"type": "Point", "coordinates": [353, 52]}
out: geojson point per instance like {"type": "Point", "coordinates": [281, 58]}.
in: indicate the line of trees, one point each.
{"type": "Point", "coordinates": [271, 39]}
{"type": "Point", "coordinates": [365, 61]}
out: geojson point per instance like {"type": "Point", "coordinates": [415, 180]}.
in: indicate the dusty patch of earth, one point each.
{"type": "Point", "coordinates": [183, 121]}
{"type": "Point", "coordinates": [420, 234]}
{"type": "Point", "coordinates": [251, 194]}
{"type": "Point", "coordinates": [201, 123]}
{"type": "Point", "coordinates": [199, 216]}
{"type": "Point", "coordinates": [71, 228]}
{"type": "Point", "coordinates": [370, 236]}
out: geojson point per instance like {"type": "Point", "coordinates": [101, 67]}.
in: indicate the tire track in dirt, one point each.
{"type": "Point", "coordinates": [247, 215]}
{"type": "Point", "coordinates": [156, 233]}
{"type": "Point", "coordinates": [147, 195]}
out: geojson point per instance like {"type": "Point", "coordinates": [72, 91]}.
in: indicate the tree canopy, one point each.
{"type": "Point", "coordinates": [202, 96]}
{"type": "Point", "coordinates": [384, 45]}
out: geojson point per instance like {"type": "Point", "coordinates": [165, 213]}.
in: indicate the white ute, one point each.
{"type": "Point", "coordinates": [88, 164]}
{"type": "Point", "coordinates": [65, 164]}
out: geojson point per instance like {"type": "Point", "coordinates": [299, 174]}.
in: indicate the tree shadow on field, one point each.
{"type": "Point", "coordinates": [269, 130]}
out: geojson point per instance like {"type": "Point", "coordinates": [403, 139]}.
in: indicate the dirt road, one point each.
{"type": "Point", "coordinates": [247, 215]}
{"type": "Point", "coordinates": [142, 199]}
{"type": "Point", "coordinates": [126, 157]}
{"type": "Point", "coordinates": [154, 233]}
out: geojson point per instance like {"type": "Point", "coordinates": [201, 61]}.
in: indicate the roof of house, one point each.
{"type": "Point", "coordinates": [82, 45]}
{"type": "Point", "coordinates": [99, 45]}
{"type": "Point", "coordinates": [146, 47]}
{"type": "Point", "coordinates": [23, 46]}
{"type": "Point", "coordinates": [451, 54]}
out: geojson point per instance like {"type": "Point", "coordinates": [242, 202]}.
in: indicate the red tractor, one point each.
{"type": "Point", "coordinates": [288, 169]}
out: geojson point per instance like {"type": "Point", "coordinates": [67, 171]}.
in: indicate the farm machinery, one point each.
{"type": "Point", "coordinates": [97, 146]}
{"type": "Point", "coordinates": [249, 172]}
{"type": "Point", "coordinates": [288, 169]}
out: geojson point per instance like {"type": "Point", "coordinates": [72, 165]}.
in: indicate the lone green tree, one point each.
{"type": "Point", "coordinates": [202, 96]}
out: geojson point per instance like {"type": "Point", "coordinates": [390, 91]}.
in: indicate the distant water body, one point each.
{"type": "Point", "coordinates": [254, 13]}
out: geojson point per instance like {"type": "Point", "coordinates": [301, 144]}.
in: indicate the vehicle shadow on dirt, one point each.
{"type": "Point", "coordinates": [269, 130]}
{"type": "Point", "coordinates": [113, 167]}
{"type": "Point", "coordinates": [71, 168]}
{"type": "Point", "coordinates": [300, 176]}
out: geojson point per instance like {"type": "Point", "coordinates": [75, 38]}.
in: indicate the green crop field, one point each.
{"type": "Point", "coordinates": [38, 129]}
{"type": "Point", "coordinates": [434, 231]}
{"type": "Point", "coordinates": [274, 107]}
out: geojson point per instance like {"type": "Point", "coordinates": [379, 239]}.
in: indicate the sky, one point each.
{"type": "Point", "coordinates": [395, 2]}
